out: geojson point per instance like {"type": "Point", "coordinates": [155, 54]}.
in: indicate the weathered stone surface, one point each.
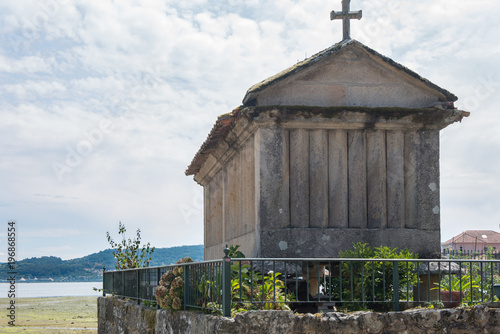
{"type": "Point", "coordinates": [119, 316]}
{"type": "Point", "coordinates": [214, 216]}
{"type": "Point", "coordinates": [395, 180]}
{"type": "Point", "coordinates": [299, 178]}
{"type": "Point", "coordinates": [346, 75]}
{"type": "Point", "coordinates": [428, 180]}
{"type": "Point", "coordinates": [338, 179]}
{"type": "Point", "coordinates": [435, 268]}
{"type": "Point", "coordinates": [376, 163]}
{"type": "Point", "coordinates": [318, 165]}
{"type": "Point", "coordinates": [411, 157]}
{"type": "Point", "coordinates": [232, 197]}
{"type": "Point", "coordinates": [272, 175]}
{"type": "Point", "coordinates": [373, 171]}
{"type": "Point", "coordinates": [357, 179]}
{"type": "Point", "coordinates": [333, 240]}
{"type": "Point", "coordinates": [285, 268]}
{"type": "Point", "coordinates": [478, 319]}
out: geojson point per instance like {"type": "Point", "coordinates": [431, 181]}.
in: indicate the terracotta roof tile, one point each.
{"type": "Point", "coordinates": [470, 236]}
{"type": "Point", "coordinates": [221, 128]}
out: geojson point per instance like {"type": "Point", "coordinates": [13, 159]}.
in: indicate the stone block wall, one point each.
{"type": "Point", "coordinates": [285, 175]}
{"type": "Point", "coordinates": [334, 187]}
{"type": "Point", "coordinates": [230, 205]}
{"type": "Point", "coordinates": [117, 316]}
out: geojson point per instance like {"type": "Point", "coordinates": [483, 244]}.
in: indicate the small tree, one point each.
{"type": "Point", "coordinates": [129, 253]}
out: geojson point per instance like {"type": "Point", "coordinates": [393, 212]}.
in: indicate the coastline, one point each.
{"type": "Point", "coordinates": [51, 289]}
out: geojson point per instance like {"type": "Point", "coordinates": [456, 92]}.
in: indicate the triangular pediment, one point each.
{"type": "Point", "coordinates": [348, 74]}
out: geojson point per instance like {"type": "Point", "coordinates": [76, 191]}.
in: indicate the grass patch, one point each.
{"type": "Point", "coordinates": [52, 315]}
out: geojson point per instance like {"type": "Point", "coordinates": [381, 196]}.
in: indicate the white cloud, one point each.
{"type": "Point", "coordinates": [26, 64]}
{"type": "Point", "coordinates": [30, 90]}
{"type": "Point", "coordinates": [49, 233]}
{"type": "Point", "coordinates": [162, 71]}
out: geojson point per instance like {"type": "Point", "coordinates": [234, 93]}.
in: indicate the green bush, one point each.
{"type": "Point", "coordinates": [363, 282]}
{"type": "Point", "coordinates": [475, 280]}
{"type": "Point", "coordinates": [253, 291]}
{"type": "Point", "coordinates": [250, 290]}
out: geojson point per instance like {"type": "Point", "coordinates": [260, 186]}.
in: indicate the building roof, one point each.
{"type": "Point", "coordinates": [219, 131]}
{"type": "Point", "coordinates": [334, 49]}
{"type": "Point", "coordinates": [475, 236]}
{"type": "Point", "coordinates": [226, 122]}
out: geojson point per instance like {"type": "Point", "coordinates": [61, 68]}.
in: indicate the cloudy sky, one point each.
{"type": "Point", "coordinates": [103, 104]}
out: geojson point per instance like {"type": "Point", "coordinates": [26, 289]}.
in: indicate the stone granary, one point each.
{"type": "Point", "coordinates": [339, 148]}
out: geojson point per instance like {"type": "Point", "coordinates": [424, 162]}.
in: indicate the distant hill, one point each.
{"type": "Point", "coordinates": [89, 268]}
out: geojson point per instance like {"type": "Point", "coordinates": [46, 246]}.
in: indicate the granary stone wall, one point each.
{"type": "Point", "coordinates": [326, 177]}
{"type": "Point", "coordinates": [347, 179]}
{"type": "Point", "coordinates": [331, 187]}
{"type": "Point", "coordinates": [230, 204]}
{"type": "Point", "coordinates": [117, 316]}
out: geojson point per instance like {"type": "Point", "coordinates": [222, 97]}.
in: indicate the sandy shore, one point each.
{"type": "Point", "coordinates": [51, 315]}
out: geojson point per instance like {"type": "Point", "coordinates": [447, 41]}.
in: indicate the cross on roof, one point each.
{"type": "Point", "coordinates": [346, 15]}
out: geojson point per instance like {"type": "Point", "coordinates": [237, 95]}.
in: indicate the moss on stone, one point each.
{"type": "Point", "coordinates": [150, 317]}
{"type": "Point", "coordinates": [423, 116]}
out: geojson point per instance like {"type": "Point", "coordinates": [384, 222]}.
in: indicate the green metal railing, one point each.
{"type": "Point", "coordinates": [210, 285]}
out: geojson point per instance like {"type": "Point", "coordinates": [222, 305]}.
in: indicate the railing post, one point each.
{"type": "Point", "coordinates": [158, 278]}
{"type": "Point", "coordinates": [103, 273]}
{"type": "Point", "coordinates": [226, 284]}
{"type": "Point", "coordinates": [186, 286]}
{"type": "Point", "coordinates": [138, 279]}
{"type": "Point", "coordinates": [395, 285]}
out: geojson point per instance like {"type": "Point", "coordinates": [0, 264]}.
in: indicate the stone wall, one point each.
{"type": "Point", "coordinates": [327, 175]}
{"type": "Point", "coordinates": [337, 187]}
{"type": "Point", "coordinates": [118, 316]}
{"type": "Point", "coordinates": [230, 205]}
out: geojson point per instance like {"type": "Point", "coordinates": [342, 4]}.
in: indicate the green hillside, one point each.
{"type": "Point", "coordinates": [89, 268]}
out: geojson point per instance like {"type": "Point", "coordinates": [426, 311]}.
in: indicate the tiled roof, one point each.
{"type": "Point", "coordinates": [221, 128]}
{"type": "Point", "coordinates": [473, 236]}
{"type": "Point", "coordinates": [332, 50]}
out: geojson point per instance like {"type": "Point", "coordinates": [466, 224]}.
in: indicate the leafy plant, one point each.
{"type": "Point", "coordinates": [475, 280]}
{"type": "Point", "coordinates": [434, 305]}
{"type": "Point", "coordinates": [371, 281]}
{"type": "Point", "coordinates": [128, 253]}
{"type": "Point", "coordinates": [250, 290]}
{"type": "Point", "coordinates": [235, 253]}
{"type": "Point", "coordinates": [170, 292]}
{"type": "Point", "coordinates": [457, 283]}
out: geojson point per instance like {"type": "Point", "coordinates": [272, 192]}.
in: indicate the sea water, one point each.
{"type": "Point", "coordinates": [52, 289]}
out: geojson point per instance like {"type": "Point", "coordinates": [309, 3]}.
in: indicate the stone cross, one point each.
{"type": "Point", "coordinates": [346, 16]}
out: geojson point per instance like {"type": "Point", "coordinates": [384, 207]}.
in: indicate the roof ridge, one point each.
{"type": "Point", "coordinates": [332, 49]}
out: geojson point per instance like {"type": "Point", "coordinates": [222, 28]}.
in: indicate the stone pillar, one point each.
{"type": "Point", "coordinates": [272, 180]}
